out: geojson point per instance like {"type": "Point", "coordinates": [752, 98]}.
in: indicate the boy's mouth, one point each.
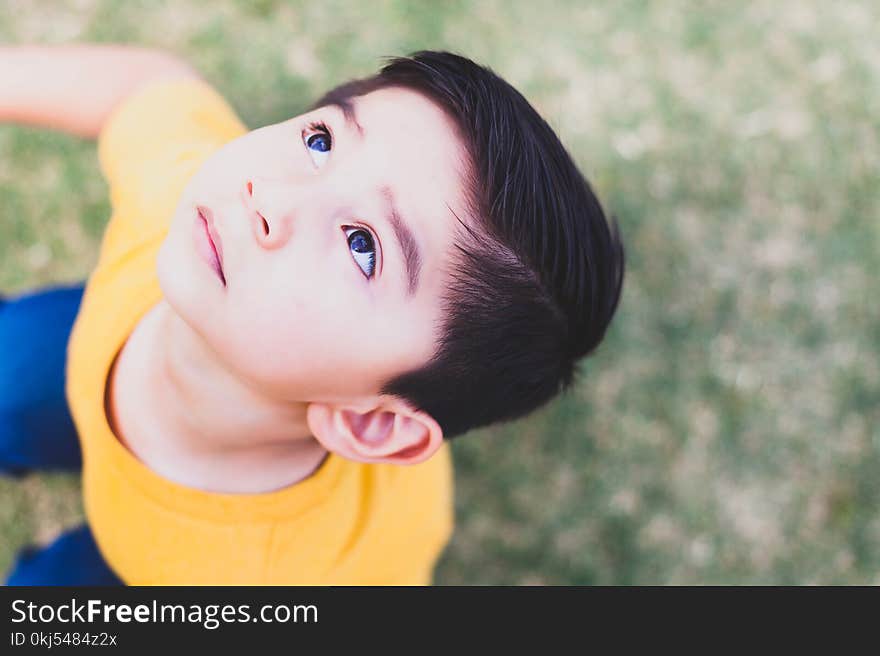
{"type": "Point", "coordinates": [208, 240]}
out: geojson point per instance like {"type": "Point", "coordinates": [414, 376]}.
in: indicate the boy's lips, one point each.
{"type": "Point", "coordinates": [206, 217]}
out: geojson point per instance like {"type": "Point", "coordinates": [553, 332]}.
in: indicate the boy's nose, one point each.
{"type": "Point", "coordinates": [271, 212]}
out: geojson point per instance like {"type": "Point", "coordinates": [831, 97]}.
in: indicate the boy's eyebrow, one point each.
{"type": "Point", "coordinates": [406, 241]}
{"type": "Point", "coordinates": [346, 106]}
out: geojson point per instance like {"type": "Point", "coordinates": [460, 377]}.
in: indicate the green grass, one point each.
{"type": "Point", "coordinates": [728, 430]}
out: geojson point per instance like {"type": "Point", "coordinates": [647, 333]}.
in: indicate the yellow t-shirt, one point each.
{"type": "Point", "coordinates": [347, 524]}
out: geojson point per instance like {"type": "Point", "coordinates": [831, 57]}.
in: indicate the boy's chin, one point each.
{"type": "Point", "coordinates": [183, 289]}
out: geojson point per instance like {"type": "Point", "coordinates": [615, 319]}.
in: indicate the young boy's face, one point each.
{"type": "Point", "coordinates": [327, 293]}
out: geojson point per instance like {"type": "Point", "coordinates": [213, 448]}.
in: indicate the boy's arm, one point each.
{"type": "Point", "coordinates": [75, 88]}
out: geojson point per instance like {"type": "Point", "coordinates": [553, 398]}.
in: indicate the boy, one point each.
{"type": "Point", "coordinates": [286, 326]}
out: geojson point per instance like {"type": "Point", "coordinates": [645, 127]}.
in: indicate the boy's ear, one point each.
{"type": "Point", "coordinates": [384, 429]}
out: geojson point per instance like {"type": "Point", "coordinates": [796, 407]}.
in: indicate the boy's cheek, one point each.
{"type": "Point", "coordinates": [228, 167]}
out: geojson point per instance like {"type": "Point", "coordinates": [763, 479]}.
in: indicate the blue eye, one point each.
{"type": "Point", "coordinates": [363, 249]}
{"type": "Point", "coordinates": [319, 143]}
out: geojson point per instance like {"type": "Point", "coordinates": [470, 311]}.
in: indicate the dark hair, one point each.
{"type": "Point", "coordinates": [536, 282]}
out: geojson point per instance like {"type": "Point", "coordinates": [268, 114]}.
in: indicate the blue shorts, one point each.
{"type": "Point", "coordinates": [36, 429]}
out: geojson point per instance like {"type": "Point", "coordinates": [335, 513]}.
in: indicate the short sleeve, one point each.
{"type": "Point", "coordinates": [155, 140]}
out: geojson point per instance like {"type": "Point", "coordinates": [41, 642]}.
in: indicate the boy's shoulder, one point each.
{"type": "Point", "coordinates": [150, 146]}
{"type": "Point", "coordinates": [161, 132]}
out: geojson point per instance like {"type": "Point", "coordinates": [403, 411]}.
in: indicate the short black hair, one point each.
{"type": "Point", "coordinates": [535, 283]}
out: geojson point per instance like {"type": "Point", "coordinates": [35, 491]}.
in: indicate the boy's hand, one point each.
{"type": "Point", "coordinates": [74, 88]}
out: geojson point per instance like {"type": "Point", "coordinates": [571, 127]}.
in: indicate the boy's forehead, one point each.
{"type": "Point", "coordinates": [401, 114]}
{"type": "Point", "coordinates": [414, 141]}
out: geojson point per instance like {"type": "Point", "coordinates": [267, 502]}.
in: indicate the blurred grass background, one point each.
{"type": "Point", "coordinates": [727, 430]}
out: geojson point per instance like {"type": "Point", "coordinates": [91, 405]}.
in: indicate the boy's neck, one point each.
{"type": "Point", "coordinates": [210, 427]}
